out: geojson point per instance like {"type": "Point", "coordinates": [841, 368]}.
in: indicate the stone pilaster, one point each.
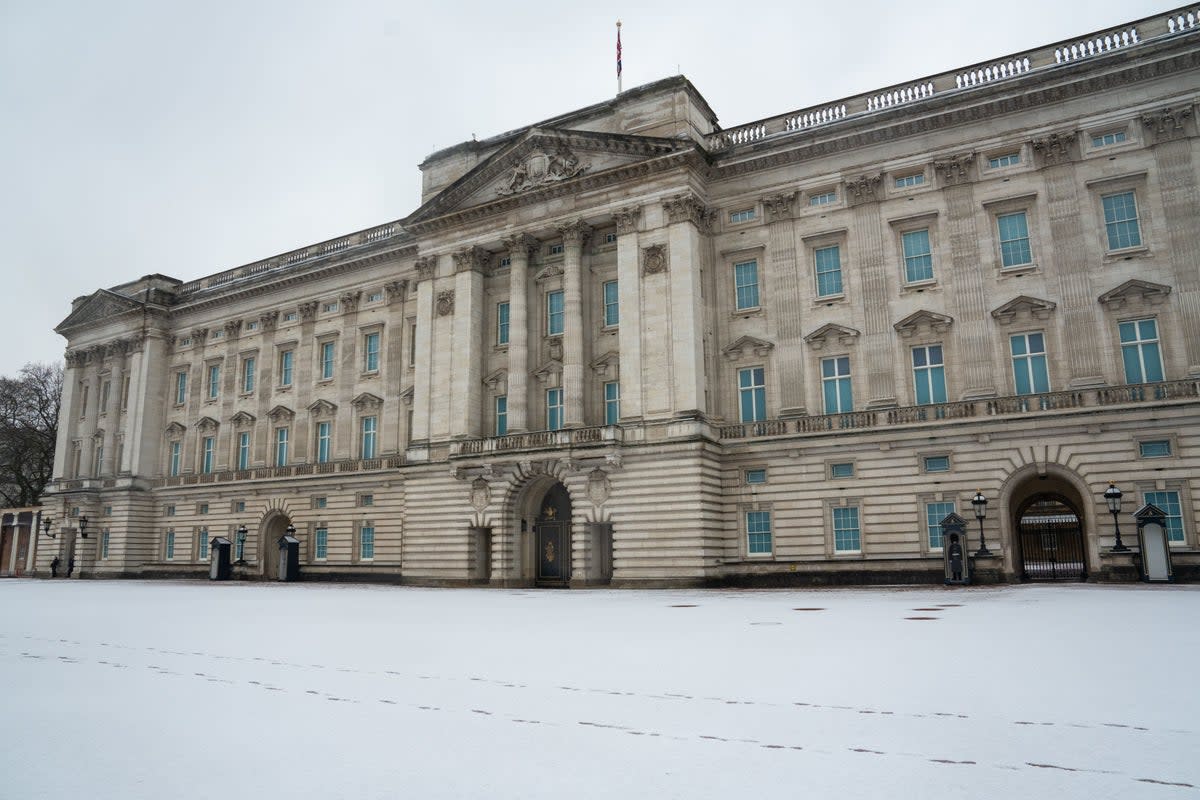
{"type": "Point", "coordinates": [115, 354]}
{"type": "Point", "coordinates": [629, 295]}
{"type": "Point", "coordinates": [345, 439]}
{"type": "Point", "coordinates": [863, 194]}
{"type": "Point", "coordinates": [574, 235]}
{"type": "Point", "coordinates": [466, 376]}
{"type": "Point", "coordinates": [686, 257]}
{"type": "Point", "coordinates": [68, 413]}
{"type": "Point", "coordinates": [149, 380]}
{"type": "Point", "coordinates": [423, 378]}
{"type": "Point", "coordinates": [518, 248]}
{"type": "Point", "coordinates": [303, 367]}
{"type": "Point", "coordinates": [264, 386]}
{"type": "Point", "coordinates": [786, 317]}
{"type": "Point", "coordinates": [391, 416]}
{"type": "Point", "coordinates": [231, 389]}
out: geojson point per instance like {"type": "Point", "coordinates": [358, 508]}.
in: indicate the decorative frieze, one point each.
{"type": "Point", "coordinates": [320, 409]}
{"type": "Point", "coordinates": [540, 169]}
{"type": "Point", "coordinates": [747, 345]}
{"type": "Point", "coordinates": [367, 402]}
{"type": "Point", "coordinates": [280, 414]}
{"type": "Point", "coordinates": [654, 259]}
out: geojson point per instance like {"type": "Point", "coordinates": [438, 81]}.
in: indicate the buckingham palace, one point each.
{"type": "Point", "coordinates": [627, 346]}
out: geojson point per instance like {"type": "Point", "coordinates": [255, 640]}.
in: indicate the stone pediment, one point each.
{"type": "Point", "coordinates": [280, 413]}
{"type": "Point", "coordinates": [832, 332]}
{"type": "Point", "coordinates": [747, 345]}
{"type": "Point", "coordinates": [406, 397]}
{"type": "Point", "coordinates": [923, 320]}
{"type": "Point", "coordinates": [541, 162]}
{"type": "Point", "coordinates": [1034, 306]}
{"type": "Point", "coordinates": [242, 418]}
{"type": "Point", "coordinates": [1132, 291]}
{"type": "Point", "coordinates": [207, 424]}
{"type": "Point", "coordinates": [99, 307]}
{"type": "Point", "coordinates": [497, 381]}
{"type": "Point", "coordinates": [607, 364]}
{"type": "Point", "coordinates": [549, 372]}
{"type": "Point", "coordinates": [174, 430]}
{"type": "Point", "coordinates": [322, 408]}
{"type": "Point", "coordinates": [366, 400]}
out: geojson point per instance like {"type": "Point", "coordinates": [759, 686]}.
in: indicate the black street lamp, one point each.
{"type": "Point", "coordinates": [47, 524]}
{"type": "Point", "coordinates": [83, 526]}
{"type": "Point", "coordinates": [291, 529]}
{"type": "Point", "coordinates": [1112, 495]}
{"type": "Point", "coordinates": [241, 544]}
{"type": "Point", "coordinates": [980, 504]}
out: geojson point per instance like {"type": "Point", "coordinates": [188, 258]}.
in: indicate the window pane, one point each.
{"type": "Point", "coordinates": [1121, 221]}
{"type": "Point", "coordinates": [611, 306]}
{"type": "Point", "coordinates": [745, 280]}
{"type": "Point", "coordinates": [829, 270]}
{"type": "Point", "coordinates": [1157, 448]}
{"type": "Point", "coordinates": [934, 514]}
{"type": "Point", "coordinates": [1169, 503]}
{"type": "Point", "coordinates": [846, 534]}
{"type": "Point", "coordinates": [1014, 239]}
{"type": "Point", "coordinates": [554, 313]}
{"type": "Point", "coordinates": [758, 532]}
{"type": "Point", "coordinates": [502, 323]}
{"type": "Point", "coordinates": [918, 257]}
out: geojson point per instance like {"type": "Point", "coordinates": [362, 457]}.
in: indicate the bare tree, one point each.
{"type": "Point", "coordinates": [29, 406]}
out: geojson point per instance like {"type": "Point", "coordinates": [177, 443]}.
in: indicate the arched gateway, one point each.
{"type": "Point", "coordinates": [552, 537]}
{"type": "Point", "coordinates": [1050, 539]}
{"type": "Point", "coordinates": [270, 529]}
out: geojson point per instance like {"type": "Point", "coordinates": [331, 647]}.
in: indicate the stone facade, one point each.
{"type": "Point", "coordinates": [626, 346]}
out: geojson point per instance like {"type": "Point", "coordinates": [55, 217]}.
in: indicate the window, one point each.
{"type": "Point", "coordinates": [755, 476]}
{"type": "Point", "coordinates": [1139, 351]}
{"type": "Point", "coordinates": [822, 199]}
{"type": "Point", "coordinates": [828, 262]}
{"type": "Point", "coordinates": [758, 533]}
{"type": "Point", "coordinates": [248, 374]}
{"type": "Point", "coordinates": [366, 542]}
{"type": "Point", "coordinates": [610, 238]}
{"type": "Point", "coordinates": [329, 307]}
{"type": "Point", "coordinates": [1029, 363]}
{"type": "Point", "coordinates": [105, 388]}
{"type": "Point", "coordinates": [83, 402]}
{"type": "Point", "coordinates": [554, 409]}
{"type": "Point", "coordinates": [1121, 221]}
{"type": "Point", "coordinates": [843, 469]}
{"type": "Point", "coordinates": [934, 514]}
{"type": "Point", "coordinates": [320, 502]}
{"type": "Point", "coordinates": [918, 256]}
{"type": "Point", "coordinates": [554, 313]}
{"type": "Point", "coordinates": [180, 388]}
{"type": "Point", "coordinates": [321, 543]}
{"type": "Point", "coordinates": [936, 463]}
{"type": "Point", "coordinates": [281, 447]}
{"type": "Point", "coordinates": [412, 344]}
{"type": "Point", "coordinates": [556, 249]}
{"type": "Point", "coordinates": [324, 440]}
{"type": "Point", "coordinates": [252, 326]}
{"type": "Point", "coordinates": [506, 261]}
{"type": "Point", "coordinates": [847, 536]}
{"type": "Point", "coordinates": [243, 456]}
{"type": "Point", "coordinates": [185, 342]}
{"type": "Point", "coordinates": [1006, 160]}
{"type": "Point", "coordinates": [1014, 239]}
{"type": "Point", "coordinates": [375, 297]}
{"type": "Point", "coordinates": [104, 539]}
{"type": "Point", "coordinates": [202, 544]}
{"type": "Point", "coordinates": [752, 394]}
{"type": "Point", "coordinates": [369, 435]}
{"type": "Point", "coordinates": [929, 374]}
{"type": "Point", "coordinates": [612, 402]}
{"type": "Point", "coordinates": [98, 457]}
{"type": "Point", "coordinates": [107, 511]}
{"type": "Point", "coordinates": [290, 316]}
{"type": "Point", "coordinates": [125, 393]}
{"type": "Point", "coordinates": [371, 352]}
{"type": "Point", "coordinates": [214, 381]}
{"type": "Point", "coordinates": [286, 358]}
{"type": "Point", "coordinates": [170, 511]}
{"type": "Point", "coordinates": [366, 499]}
{"type": "Point", "coordinates": [916, 179]}
{"type": "Point", "coordinates": [218, 334]}
{"type": "Point", "coordinates": [1155, 448]}
{"type": "Point", "coordinates": [612, 307]}
{"type": "Point", "coordinates": [202, 508]}
{"type": "Point", "coordinates": [1169, 503]}
{"type": "Point", "coordinates": [1105, 139]}
{"type": "Point", "coordinates": [239, 549]}
{"type": "Point", "coordinates": [239, 506]}
{"type": "Point", "coordinates": [502, 323]}
{"type": "Point", "coordinates": [745, 284]}
{"type": "Point", "coordinates": [835, 383]}
{"type": "Point", "coordinates": [174, 459]}
{"type": "Point", "coordinates": [169, 545]}
{"type": "Point", "coordinates": [745, 215]}
{"type": "Point", "coordinates": [502, 415]}
{"type": "Point", "coordinates": [326, 360]}
{"type": "Point", "coordinates": [206, 462]}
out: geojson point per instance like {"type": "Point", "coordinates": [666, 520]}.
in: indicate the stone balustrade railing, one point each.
{"type": "Point", "coordinates": [371, 236]}
{"type": "Point", "coordinates": [267, 473]}
{"type": "Point", "coordinates": [968, 409]}
{"type": "Point", "coordinates": [537, 440]}
{"type": "Point", "coordinates": [1051, 56]}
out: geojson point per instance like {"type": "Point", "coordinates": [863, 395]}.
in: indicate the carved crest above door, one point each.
{"type": "Point", "coordinates": [541, 168]}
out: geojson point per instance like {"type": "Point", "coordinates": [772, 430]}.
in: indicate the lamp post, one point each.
{"type": "Point", "coordinates": [980, 503]}
{"type": "Point", "coordinates": [291, 529]}
{"type": "Point", "coordinates": [1112, 495]}
{"type": "Point", "coordinates": [47, 524]}
{"type": "Point", "coordinates": [83, 522]}
{"type": "Point", "coordinates": [241, 544]}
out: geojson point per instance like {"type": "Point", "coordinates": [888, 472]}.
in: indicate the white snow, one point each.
{"type": "Point", "coordinates": [196, 690]}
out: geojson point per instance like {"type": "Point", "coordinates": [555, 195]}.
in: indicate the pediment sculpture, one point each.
{"type": "Point", "coordinates": [540, 169]}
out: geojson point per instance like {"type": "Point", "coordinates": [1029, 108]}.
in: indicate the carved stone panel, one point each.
{"type": "Point", "coordinates": [654, 259]}
{"type": "Point", "coordinates": [542, 168]}
{"type": "Point", "coordinates": [445, 303]}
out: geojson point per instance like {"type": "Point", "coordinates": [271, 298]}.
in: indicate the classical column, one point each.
{"type": "Point", "coordinates": [231, 389]}
{"type": "Point", "coordinates": [1077, 300]}
{"type": "Point", "coordinates": [864, 194]}
{"type": "Point", "coordinates": [390, 426]}
{"type": "Point", "coordinates": [784, 286]}
{"type": "Point", "coordinates": [964, 278]}
{"type": "Point", "coordinates": [303, 384]}
{"type": "Point", "coordinates": [1171, 130]}
{"type": "Point", "coordinates": [683, 263]}
{"type": "Point", "coordinates": [629, 296]}
{"type": "Point", "coordinates": [149, 382]}
{"type": "Point", "coordinates": [426, 270]}
{"type": "Point", "coordinates": [114, 353]}
{"type": "Point", "coordinates": [264, 387]}
{"type": "Point", "coordinates": [67, 414]}
{"type": "Point", "coordinates": [466, 367]}
{"type": "Point", "coordinates": [91, 421]}
{"type": "Point", "coordinates": [574, 235]}
{"type": "Point", "coordinates": [345, 440]}
{"type": "Point", "coordinates": [519, 248]}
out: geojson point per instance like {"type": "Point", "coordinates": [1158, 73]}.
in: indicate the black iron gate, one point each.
{"type": "Point", "coordinates": [1051, 542]}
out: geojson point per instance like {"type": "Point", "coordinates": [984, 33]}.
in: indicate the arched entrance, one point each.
{"type": "Point", "coordinates": [1050, 541]}
{"type": "Point", "coordinates": [272, 527]}
{"type": "Point", "coordinates": [552, 538]}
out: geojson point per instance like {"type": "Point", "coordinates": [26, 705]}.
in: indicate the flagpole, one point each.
{"type": "Point", "coordinates": [618, 56]}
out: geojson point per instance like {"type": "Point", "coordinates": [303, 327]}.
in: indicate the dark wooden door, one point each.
{"type": "Point", "coordinates": [552, 532]}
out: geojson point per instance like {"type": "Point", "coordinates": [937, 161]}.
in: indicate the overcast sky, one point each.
{"type": "Point", "coordinates": [185, 139]}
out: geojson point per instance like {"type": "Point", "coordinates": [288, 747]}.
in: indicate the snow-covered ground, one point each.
{"type": "Point", "coordinates": [196, 690]}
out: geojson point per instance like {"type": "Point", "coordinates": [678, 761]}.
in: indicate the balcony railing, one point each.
{"type": "Point", "coordinates": [968, 409]}
{"type": "Point", "coordinates": [537, 440]}
{"type": "Point", "coordinates": [267, 473]}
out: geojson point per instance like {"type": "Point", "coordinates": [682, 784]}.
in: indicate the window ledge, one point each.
{"type": "Point", "coordinates": [830, 300]}
{"type": "Point", "coordinates": [1019, 269]}
{"type": "Point", "coordinates": [1142, 251]}
{"type": "Point", "coordinates": [747, 312]}
{"type": "Point", "coordinates": [919, 286]}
